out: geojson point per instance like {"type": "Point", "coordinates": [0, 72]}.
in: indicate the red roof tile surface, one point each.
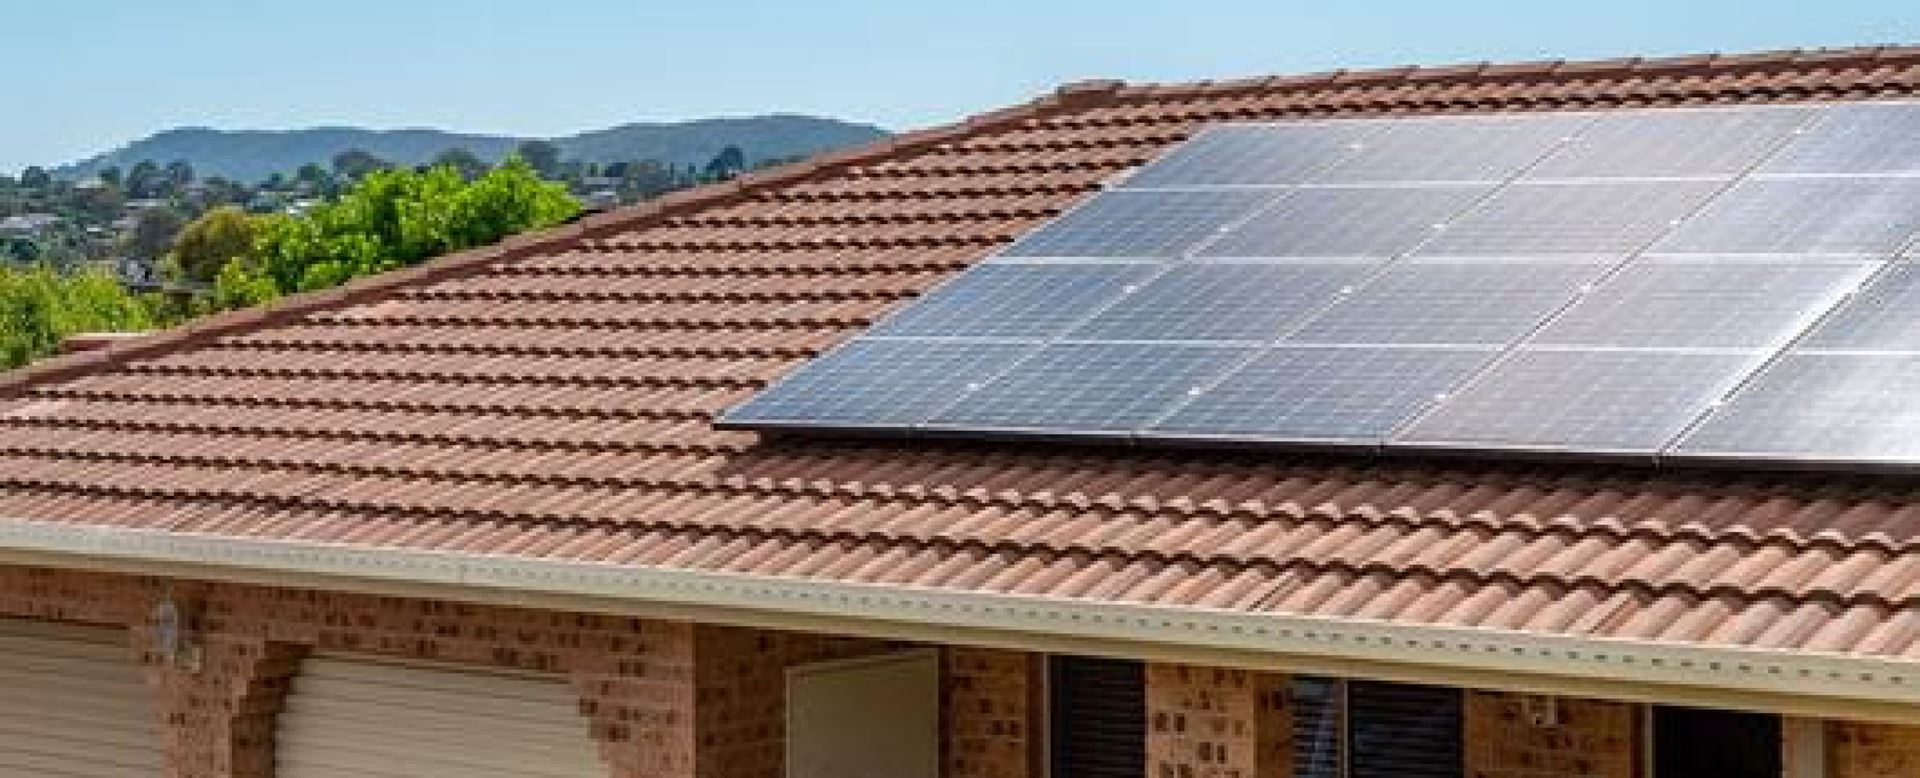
{"type": "Point", "coordinates": [552, 398]}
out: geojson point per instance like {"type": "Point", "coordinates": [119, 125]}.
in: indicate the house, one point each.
{"type": "Point", "coordinates": [29, 223]}
{"type": "Point", "coordinates": [475, 518]}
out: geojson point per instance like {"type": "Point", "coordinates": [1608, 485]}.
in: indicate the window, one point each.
{"type": "Point", "coordinates": [1717, 743]}
{"type": "Point", "coordinates": [1372, 729]}
{"type": "Point", "coordinates": [1098, 725]}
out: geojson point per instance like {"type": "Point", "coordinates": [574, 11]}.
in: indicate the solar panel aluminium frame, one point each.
{"type": "Point", "coordinates": [1661, 456]}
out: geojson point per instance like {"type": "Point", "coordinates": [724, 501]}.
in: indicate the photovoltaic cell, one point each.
{"type": "Point", "coordinates": [1223, 301]}
{"type": "Point", "coordinates": [1804, 216]}
{"type": "Point", "coordinates": [1705, 304]}
{"type": "Point", "coordinates": [1014, 300]}
{"type": "Point", "coordinates": [1884, 316]}
{"type": "Point", "coordinates": [1711, 142]}
{"type": "Point", "coordinates": [1126, 223]}
{"type": "Point", "coordinates": [1582, 401]}
{"type": "Point", "coordinates": [1346, 222]}
{"type": "Point", "coordinates": [1449, 302]}
{"type": "Point", "coordinates": [1855, 138]}
{"type": "Point", "coordinates": [1260, 154]}
{"type": "Point", "coordinates": [1821, 407]}
{"type": "Point", "coordinates": [1401, 260]}
{"type": "Point", "coordinates": [1352, 395]}
{"type": "Point", "coordinates": [1455, 148]}
{"type": "Point", "coordinates": [1091, 387]}
{"type": "Point", "coordinates": [1602, 217]}
{"type": "Point", "coordinates": [884, 383]}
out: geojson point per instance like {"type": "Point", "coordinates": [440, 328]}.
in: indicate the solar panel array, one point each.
{"type": "Point", "coordinates": [1728, 283]}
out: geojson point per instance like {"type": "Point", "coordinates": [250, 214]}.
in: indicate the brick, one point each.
{"type": "Point", "coordinates": [1211, 722]}
{"type": "Point", "coordinates": [1591, 739]}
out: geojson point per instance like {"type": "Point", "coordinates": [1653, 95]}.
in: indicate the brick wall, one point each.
{"type": "Point", "coordinates": [662, 698]}
{"type": "Point", "coordinates": [1856, 750]}
{"type": "Point", "coordinates": [996, 714]}
{"type": "Point", "coordinates": [1210, 722]}
{"type": "Point", "coordinates": [1590, 739]}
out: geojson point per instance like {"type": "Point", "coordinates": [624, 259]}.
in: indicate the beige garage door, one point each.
{"type": "Point", "coordinates": [355, 718]}
{"type": "Point", "coordinates": [74, 704]}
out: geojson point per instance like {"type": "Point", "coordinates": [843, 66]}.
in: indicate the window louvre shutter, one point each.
{"type": "Point", "coordinates": [1099, 718]}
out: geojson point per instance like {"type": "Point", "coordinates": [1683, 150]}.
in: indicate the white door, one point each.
{"type": "Point", "coordinates": [361, 718]}
{"type": "Point", "coordinates": [874, 717]}
{"type": "Point", "coordinates": [74, 703]}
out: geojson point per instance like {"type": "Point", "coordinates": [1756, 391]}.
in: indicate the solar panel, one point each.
{"type": "Point", "coordinates": [1346, 222]}
{"type": "Point", "coordinates": [1705, 304]}
{"type": "Point", "coordinates": [1255, 154]}
{"type": "Point", "coordinates": [1599, 217]}
{"type": "Point", "coordinates": [1593, 401]}
{"type": "Point", "coordinates": [1127, 223]}
{"type": "Point", "coordinates": [877, 383]}
{"type": "Point", "coordinates": [1701, 142]}
{"type": "Point", "coordinates": [1223, 301]}
{"type": "Point", "coordinates": [1015, 300]}
{"type": "Point", "coordinates": [1856, 138]}
{"type": "Point", "coordinates": [1450, 302]}
{"type": "Point", "coordinates": [1885, 315]}
{"type": "Point", "coordinates": [1349, 395]}
{"type": "Point", "coordinates": [1853, 215]}
{"type": "Point", "coordinates": [1603, 283]}
{"type": "Point", "coordinates": [1485, 148]}
{"type": "Point", "coordinates": [1089, 388]}
{"type": "Point", "coordinates": [1820, 407]}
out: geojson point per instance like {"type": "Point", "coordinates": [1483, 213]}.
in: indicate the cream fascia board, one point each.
{"type": "Point", "coordinates": [1828, 682]}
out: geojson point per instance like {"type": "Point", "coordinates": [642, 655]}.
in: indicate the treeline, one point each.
{"type": "Point", "coordinates": [387, 218]}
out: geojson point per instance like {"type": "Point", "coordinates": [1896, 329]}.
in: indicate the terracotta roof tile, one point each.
{"type": "Point", "coordinates": [551, 397]}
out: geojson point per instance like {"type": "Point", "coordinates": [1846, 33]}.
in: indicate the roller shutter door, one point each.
{"type": "Point", "coordinates": [356, 718]}
{"type": "Point", "coordinates": [74, 703]}
{"type": "Point", "coordinates": [1099, 717]}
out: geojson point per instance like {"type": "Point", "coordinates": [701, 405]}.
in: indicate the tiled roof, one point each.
{"type": "Point", "coordinates": [552, 398]}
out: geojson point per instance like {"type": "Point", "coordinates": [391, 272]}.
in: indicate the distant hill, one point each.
{"type": "Point", "coordinates": [252, 155]}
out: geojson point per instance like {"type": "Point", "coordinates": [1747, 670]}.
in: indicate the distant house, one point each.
{"type": "Point", "coordinates": [146, 204]}
{"type": "Point", "coordinates": [600, 199]}
{"type": "Point", "coordinates": [28, 223]}
{"type": "Point", "coordinates": [595, 183]}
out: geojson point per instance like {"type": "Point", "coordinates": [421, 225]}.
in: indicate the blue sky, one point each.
{"type": "Point", "coordinates": [91, 74]}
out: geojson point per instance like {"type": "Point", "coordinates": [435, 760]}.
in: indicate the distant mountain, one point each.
{"type": "Point", "coordinates": [253, 155]}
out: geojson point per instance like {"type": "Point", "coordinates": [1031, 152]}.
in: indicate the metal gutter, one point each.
{"type": "Point", "coordinates": [1799, 683]}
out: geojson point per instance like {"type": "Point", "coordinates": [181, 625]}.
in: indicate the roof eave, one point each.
{"type": "Point", "coordinates": [1790, 682]}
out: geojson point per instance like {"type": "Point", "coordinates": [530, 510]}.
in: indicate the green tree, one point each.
{"type": "Point", "coordinates": [469, 166]}
{"type": "Point", "coordinates": [40, 307]}
{"type": "Point", "coordinates": [144, 180]}
{"type": "Point", "coordinates": [543, 155]}
{"type": "Point", "coordinates": [153, 232]}
{"type": "Point", "coordinates": [112, 176]}
{"type": "Point", "coordinates": [355, 164]}
{"type": "Point", "coordinates": [177, 176]}
{"type": "Point", "coordinates": [36, 177]}
{"type": "Point", "coordinates": [219, 236]}
{"type": "Point", "coordinates": [390, 219]}
{"type": "Point", "coordinates": [314, 178]}
{"type": "Point", "coordinates": [726, 164]}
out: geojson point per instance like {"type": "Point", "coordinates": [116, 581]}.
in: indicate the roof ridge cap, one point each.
{"type": "Point", "coordinates": [1068, 97]}
{"type": "Point", "coordinates": [1701, 62]}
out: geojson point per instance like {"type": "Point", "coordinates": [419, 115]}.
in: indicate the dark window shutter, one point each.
{"type": "Point", "coordinates": [1099, 718]}
{"type": "Point", "coordinates": [1316, 727]}
{"type": "Point", "coordinates": [1403, 731]}
{"type": "Point", "coordinates": [1718, 743]}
